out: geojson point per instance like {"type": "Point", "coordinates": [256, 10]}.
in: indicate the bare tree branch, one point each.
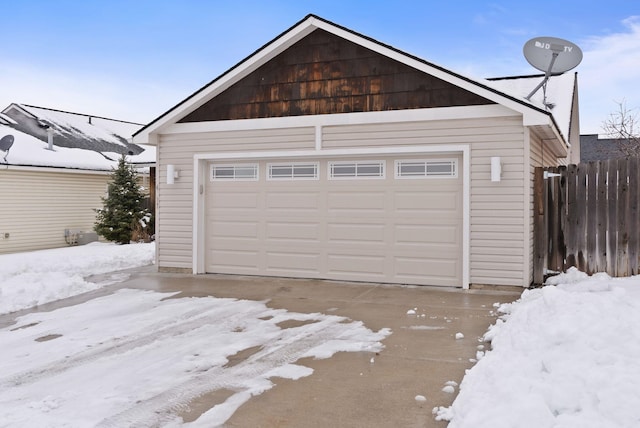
{"type": "Point", "coordinates": [622, 126]}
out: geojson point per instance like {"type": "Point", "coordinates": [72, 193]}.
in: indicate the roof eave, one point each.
{"type": "Point", "coordinates": [146, 135]}
{"type": "Point", "coordinates": [233, 74]}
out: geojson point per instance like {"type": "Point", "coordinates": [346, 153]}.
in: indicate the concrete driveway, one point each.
{"type": "Point", "coordinates": [360, 390]}
{"type": "Point", "coordinates": [349, 389]}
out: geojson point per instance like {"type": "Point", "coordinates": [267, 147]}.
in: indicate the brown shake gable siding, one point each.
{"type": "Point", "coordinates": [325, 74]}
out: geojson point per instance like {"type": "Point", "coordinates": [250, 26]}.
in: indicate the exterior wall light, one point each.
{"type": "Point", "coordinates": [496, 169]}
{"type": "Point", "coordinates": [172, 174]}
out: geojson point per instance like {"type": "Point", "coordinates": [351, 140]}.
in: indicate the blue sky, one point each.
{"type": "Point", "coordinates": [133, 60]}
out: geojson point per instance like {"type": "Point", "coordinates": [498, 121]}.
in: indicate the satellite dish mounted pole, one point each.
{"type": "Point", "coordinates": [547, 74]}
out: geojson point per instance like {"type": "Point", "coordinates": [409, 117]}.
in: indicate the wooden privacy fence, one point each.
{"type": "Point", "coordinates": [587, 216]}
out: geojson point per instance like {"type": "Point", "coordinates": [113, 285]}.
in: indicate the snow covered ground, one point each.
{"type": "Point", "coordinates": [33, 278]}
{"type": "Point", "coordinates": [562, 356]}
{"type": "Point", "coordinates": [565, 355]}
{"type": "Point", "coordinates": [138, 357]}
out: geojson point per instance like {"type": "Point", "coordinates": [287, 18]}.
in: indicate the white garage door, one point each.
{"type": "Point", "coordinates": [395, 220]}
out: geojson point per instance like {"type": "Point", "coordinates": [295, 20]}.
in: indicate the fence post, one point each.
{"type": "Point", "coordinates": [612, 218]}
{"type": "Point", "coordinates": [601, 209]}
{"type": "Point", "coordinates": [623, 220]}
{"type": "Point", "coordinates": [539, 226]}
{"type": "Point", "coordinates": [555, 260]}
{"type": "Point", "coordinates": [571, 225]}
{"type": "Point", "coordinates": [634, 215]}
{"type": "Point", "coordinates": [592, 217]}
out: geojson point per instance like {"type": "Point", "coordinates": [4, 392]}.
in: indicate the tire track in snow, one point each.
{"type": "Point", "coordinates": [286, 349]}
{"type": "Point", "coordinates": [187, 322]}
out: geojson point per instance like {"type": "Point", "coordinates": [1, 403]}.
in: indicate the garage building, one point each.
{"type": "Point", "coordinates": [326, 154]}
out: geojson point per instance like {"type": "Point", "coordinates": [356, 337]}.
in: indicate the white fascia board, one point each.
{"type": "Point", "coordinates": [533, 119]}
{"type": "Point", "coordinates": [328, 153]}
{"type": "Point", "coordinates": [226, 80]}
{"type": "Point", "coordinates": [410, 115]}
{"type": "Point", "coordinates": [536, 118]}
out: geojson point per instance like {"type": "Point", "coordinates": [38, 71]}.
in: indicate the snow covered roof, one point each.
{"type": "Point", "coordinates": [80, 141]}
{"type": "Point", "coordinates": [6, 120]}
{"type": "Point", "coordinates": [30, 151]}
{"type": "Point", "coordinates": [559, 95]}
{"type": "Point", "coordinates": [75, 130]}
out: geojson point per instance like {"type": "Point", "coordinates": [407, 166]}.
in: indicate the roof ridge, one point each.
{"type": "Point", "coordinates": [81, 114]}
{"type": "Point", "coordinates": [524, 76]}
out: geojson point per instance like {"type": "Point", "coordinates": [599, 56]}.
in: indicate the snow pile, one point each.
{"type": "Point", "coordinates": [33, 278]}
{"type": "Point", "coordinates": [562, 356]}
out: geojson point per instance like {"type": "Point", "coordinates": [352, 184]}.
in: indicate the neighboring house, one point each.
{"type": "Point", "coordinates": [595, 148]}
{"type": "Point", "coordinates": [47, 190]}
{"type": "Point", "coordinates": [75, 130]}
{"type": "Point", "coordinates": [327, 154]}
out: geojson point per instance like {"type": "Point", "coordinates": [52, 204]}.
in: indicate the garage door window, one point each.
{"type": "Point", "coordinates": [293, 171]}
{"type": "Point", "coordinates": [234, 172]}
{"type": "Point", "coordinates": [432, 168]}
{"type": "Point", "coordinates": [357, 169]}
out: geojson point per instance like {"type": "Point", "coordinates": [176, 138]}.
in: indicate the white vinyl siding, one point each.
{"type": "Point", "coordinates": [497, 222]}
{"type": "Point", "coordinates": [39, 205]}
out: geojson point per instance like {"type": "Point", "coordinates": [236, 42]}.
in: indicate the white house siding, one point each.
{"type": "Point", "coordinates": [497, 224]}
{"type": "Point", "coordinates": [175, 202]}
{"type": "Point", "coordinates": [44, 204]}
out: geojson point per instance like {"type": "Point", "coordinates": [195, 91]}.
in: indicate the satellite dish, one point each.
{"type": "Point", "coordinates": [5, 144]}
{"type": "Point", "coordinates": [551, 55]}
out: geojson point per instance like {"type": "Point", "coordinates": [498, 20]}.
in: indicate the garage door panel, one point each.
{"type": "Point", "coordinates": [356, 202]}
{"type": "Point", "coordinates": [235, 229]}
{"type": "Point", "coordinates": [378, 230]}
{"type": "Point", "coordinates": [297, 262]}
{"type": "Point", "coordinates": [414, 267]}
{"type": "Point", "coordinates": [298, 201]}
{"type": "Point", "coordinates": [355, 233]}
{"type": "Point", "coordinates": [293, 231]}
{"type": "Point", "coordinates": [235, 261]}
{"type": "Point", "coordinates": [429, 235]}
{"type": "Point", "coordinates": [427, 203]}
{"type": "Point", "coordinates": [225, 201]}
{"type": "Point", "coordinates": [356, 265]}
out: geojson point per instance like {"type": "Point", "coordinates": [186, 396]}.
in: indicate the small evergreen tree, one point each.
{"type": "Point", "coordinates": [122, 211]}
